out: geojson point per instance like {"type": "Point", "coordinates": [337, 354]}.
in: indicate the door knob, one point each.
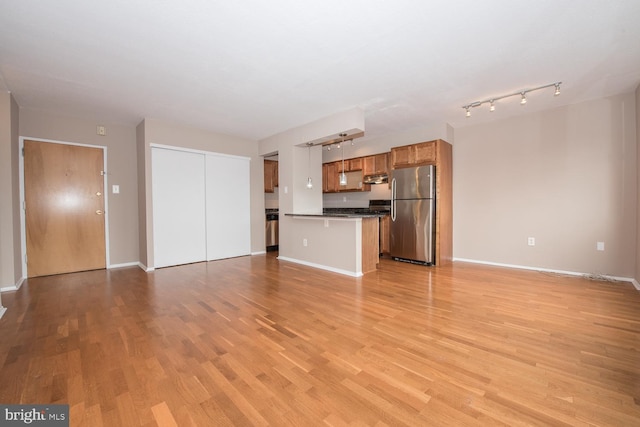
{"type": "Point", "coordinates": [99, 212]}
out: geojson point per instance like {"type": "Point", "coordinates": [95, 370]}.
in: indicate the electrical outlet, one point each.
{"type": "Point", "coordinates": [304, 242]}
{"type": "Point", "coordinates": [101, 130]}
{"type": "Point", "coordinates": [600, 246]}
{"type": "Point", "coordinates": [531, 241]}
{"type": "Point", "coordinates": [344, 198]}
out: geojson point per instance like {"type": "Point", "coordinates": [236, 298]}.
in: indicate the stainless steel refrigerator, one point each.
{"type": "Point", "coordinates": [413, 214]}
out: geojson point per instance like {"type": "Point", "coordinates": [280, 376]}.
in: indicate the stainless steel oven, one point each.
{"type": "Point", "coordinates": [271, 230]}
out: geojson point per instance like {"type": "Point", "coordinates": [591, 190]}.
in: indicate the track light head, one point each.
{"type": "Point", "coordinates": [524, 98]}
{"type": "Point", "coordinates": [468, 113]}
{"type": "Point", "coordinates": [557, 92]}
{"type": "Point", "coordinates": [492, 107]}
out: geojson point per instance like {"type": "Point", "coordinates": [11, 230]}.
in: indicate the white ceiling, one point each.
{"type": "Point", "coordinates": [253, 68]}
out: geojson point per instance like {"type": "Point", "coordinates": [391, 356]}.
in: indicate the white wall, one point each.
{"type": "Point", "coordinates": [565, 176]}
{"type": "Point", "coordinates": [637, 275]}
{"type": "Point", "coordinates": [10, 254]}
{"type": "Point", "coordinates": [120, 141]}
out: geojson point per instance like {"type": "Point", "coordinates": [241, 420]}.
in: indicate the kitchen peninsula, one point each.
{"type": "Point", "coordinates": [353, 237]}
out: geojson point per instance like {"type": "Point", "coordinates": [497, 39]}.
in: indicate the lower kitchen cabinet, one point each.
{"type": "Point", "coordinates": [384, 234]}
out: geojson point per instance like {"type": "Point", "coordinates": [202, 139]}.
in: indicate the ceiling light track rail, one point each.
{"type": "Point", "coordinates": [522, 93]}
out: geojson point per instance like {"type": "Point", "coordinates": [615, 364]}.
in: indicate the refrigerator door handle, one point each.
{"type": "Point", "coordinates": [393, 199]}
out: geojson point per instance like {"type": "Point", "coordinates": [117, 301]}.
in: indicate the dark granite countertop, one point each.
{"type": "Point", "coordinates": [340, 215]}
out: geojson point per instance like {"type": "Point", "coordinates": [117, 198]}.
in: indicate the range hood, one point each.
{"type": "Point", "coordinates": [379, 178]}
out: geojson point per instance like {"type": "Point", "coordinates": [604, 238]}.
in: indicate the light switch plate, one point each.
{"type": "Point", "coordinates": [115, 189]}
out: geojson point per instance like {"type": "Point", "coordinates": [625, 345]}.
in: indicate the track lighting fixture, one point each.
{"type": "Point", "coordinates": [340, 144]}
{"type": "Point", "coordinates": [523, 98]}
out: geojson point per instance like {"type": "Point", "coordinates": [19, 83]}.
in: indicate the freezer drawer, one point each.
{"type": "Point", "coordinates": [412, 231]}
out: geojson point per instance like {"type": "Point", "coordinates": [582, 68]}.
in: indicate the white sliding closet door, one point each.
{"type": "Point", "coordinates": [228, 205]}
{"type": "Point", "coordinates": [179, 221]}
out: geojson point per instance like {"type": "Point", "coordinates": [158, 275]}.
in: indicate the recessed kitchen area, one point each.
{"type": "Point", "coordinates": [339, 202]}
{"type": "Point", "coordinates": [271, 202]}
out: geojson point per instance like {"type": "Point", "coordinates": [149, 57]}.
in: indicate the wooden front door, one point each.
{"type": "Point", "coordinates": [64, 205]}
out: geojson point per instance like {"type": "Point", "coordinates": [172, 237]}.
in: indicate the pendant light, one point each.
{"type": "Point", "coordinates": [309, 181]}
{"type": "Point", "coordinates": [343, 176]}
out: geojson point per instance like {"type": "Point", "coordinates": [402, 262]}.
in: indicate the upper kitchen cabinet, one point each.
{"type": "Point", "coordinates": [329, 178]}
{"type": "Point", "coordinates": [350, 165]}
{"type": "Point", "coordinates": [377, 164]}
{"type": "Point", "coordinates": [414, 155]}
{"type": "Point", "coordinates": [353, 170]}
{"type": "Point", "coordinates": [355, 164]}
{"type": "Point", "coordinates": [270, 175]}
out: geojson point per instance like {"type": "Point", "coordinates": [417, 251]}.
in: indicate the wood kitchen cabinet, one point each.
{"type": "Point", "coordinates": [385, 222]}
{"type": "Point", "coordinates": [350, 165]}
{"type": "Point", "coordinates": [376, 164]}
{"type": "Point", "coordinates": [355, 164]}
{"type": "Point", "coordinates": [331, 176]}
{"type": "Point", "coordinates": [438, 153]}
{"type": "Point", "coordinates": [424, 153]}
{"type": "Point", "coordinates": [270, 175]}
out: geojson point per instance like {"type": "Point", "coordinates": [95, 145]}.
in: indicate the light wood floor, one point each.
{"type": "Point", "coordinates": [256, 341]}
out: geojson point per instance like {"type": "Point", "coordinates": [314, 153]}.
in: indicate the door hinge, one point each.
{"type": "Point", "coordinates": [22, 151]}
{"type": "Point", "coordinates": [103, 173]}
{"type": "Point", "coordinates": [24, 205]}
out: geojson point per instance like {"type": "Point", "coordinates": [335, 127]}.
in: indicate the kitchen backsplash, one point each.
{"type": "Point", "coordinates": [354, 199]}
{"type": "Point", "coordinates": [271, 200]}
{"type": "Point", "coordinates": [340, 200]}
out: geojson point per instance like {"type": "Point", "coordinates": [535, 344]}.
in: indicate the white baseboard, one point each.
{"type": "Point", "coordinates": [14, 287]}
{"type": "Point", "coordinates": [145, 268]}
{"type": "Point", "coordinates": [124, 264]}
{"type": "Point", "coordinates": [259, 253]}
{"type": "Point", "coordinates": [322, 267]}
{"type": "Point", "coordinates": [2, 311]}
{"type": "Point", "coordinates": [549, 270]}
